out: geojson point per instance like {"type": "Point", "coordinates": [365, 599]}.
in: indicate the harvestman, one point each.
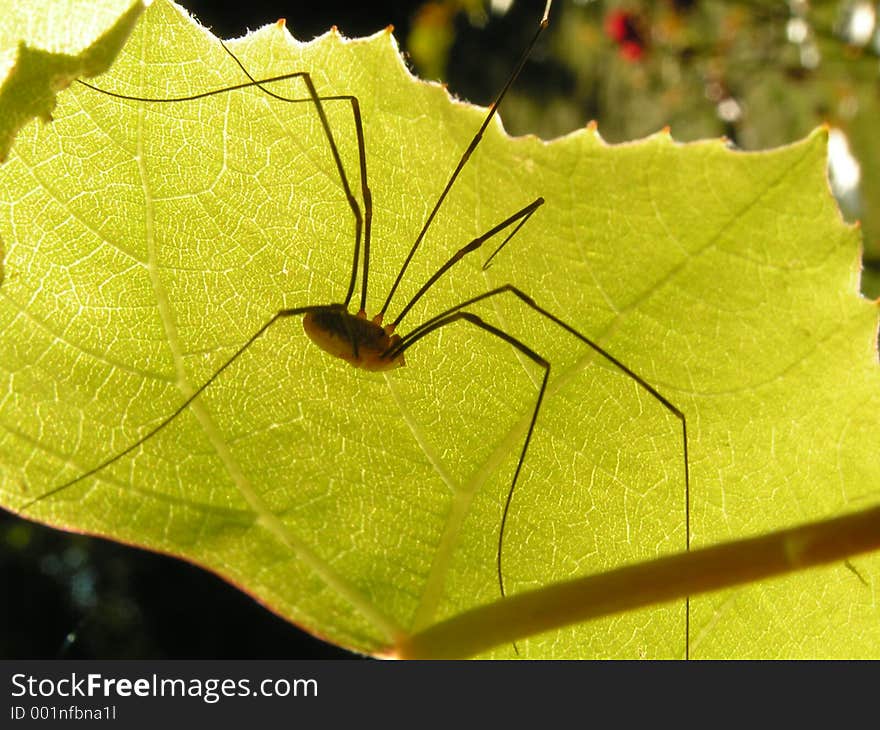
{"type": "Point", "coordinates": [368, 343]}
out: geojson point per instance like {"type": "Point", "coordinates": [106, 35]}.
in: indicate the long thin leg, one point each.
{"type": "Point", "coordinates": [488, 262]}
{"type": "Point", "coordinates": [431, 324]}
{"type": "Point", "coordinates": [439, 322]}
{"type": "Point", "coordinates": [362, 158]}
{"type": "Point", "coordinates": [545, 20]}
{"type": "Point", "coordinates": [363, 222]}
{"type": "Point", "coordinates": [282, 314]}
{"type": "Point", "coordinates": [522, 216]}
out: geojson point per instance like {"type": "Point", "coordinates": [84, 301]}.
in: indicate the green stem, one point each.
{"type": "Point", "coordinates": [645, 584]}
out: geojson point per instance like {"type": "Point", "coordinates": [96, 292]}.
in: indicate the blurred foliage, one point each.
{"type": "Point", "coordinates": [763, 74]}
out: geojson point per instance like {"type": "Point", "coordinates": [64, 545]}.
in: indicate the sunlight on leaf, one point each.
{"type": "Point", "coordinates": [146, 243]}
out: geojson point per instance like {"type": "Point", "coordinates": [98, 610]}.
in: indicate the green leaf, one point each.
{"type": "Point", "coordinates": [45, 46]}
{"type": "Point", "coordinates": [147, 242]}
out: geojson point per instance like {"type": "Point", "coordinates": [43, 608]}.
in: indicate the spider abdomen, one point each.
{"type": "Point", "coordinates": [354, 338]}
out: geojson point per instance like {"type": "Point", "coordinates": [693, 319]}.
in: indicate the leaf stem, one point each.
{"type": "Point", "coordinates": [652, 582]}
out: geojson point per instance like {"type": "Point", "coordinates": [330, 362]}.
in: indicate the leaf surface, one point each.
{"type": "Point", "coordinates": [146, 242]}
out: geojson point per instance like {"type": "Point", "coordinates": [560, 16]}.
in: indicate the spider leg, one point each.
{"type": "Point", "coordinates": [363, 221]}
{"type": "Point", "coordinates": [534, 357]}
{"type": "Point", "coordinates": [521, 216]}
{"type": "Point", "coordinates": [282, 314]}
{"type": "Point", "coordinates": [431, 324]}
{"type": "Point", "coordinates": [475, 141]}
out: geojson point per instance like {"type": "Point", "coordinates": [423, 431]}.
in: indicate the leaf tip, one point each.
{"type": "Point", "coordinates": [820, 133]}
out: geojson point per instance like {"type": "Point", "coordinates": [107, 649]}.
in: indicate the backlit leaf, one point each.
{"type": "Point", "coordinates": [146, 242]}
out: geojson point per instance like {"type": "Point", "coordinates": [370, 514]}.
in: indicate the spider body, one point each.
{"type": "Point", "coordinates": [362, 343]}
